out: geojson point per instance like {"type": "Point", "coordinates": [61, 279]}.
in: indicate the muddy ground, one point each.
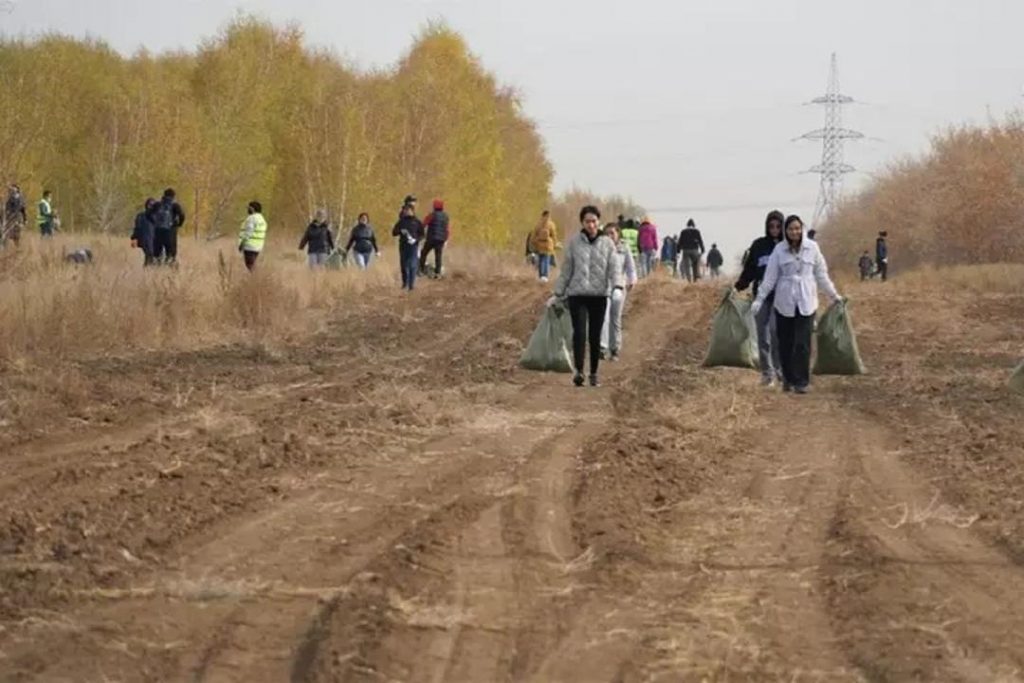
{"type": "Point", "coordinates": [396, 501]}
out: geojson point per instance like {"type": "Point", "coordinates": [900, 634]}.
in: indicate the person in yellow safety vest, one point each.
{"type": "Point", "coordinates": [631, 236]}
{"type": "Point", "coordinates": [253, 235]}
{"type": "Point", "coordinates": [45, 221]}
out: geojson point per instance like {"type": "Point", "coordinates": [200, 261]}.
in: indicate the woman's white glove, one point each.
{"type": "Point", "coordinates": [552, 301]}
{"type": "Point", "coordinates": [755, 307]}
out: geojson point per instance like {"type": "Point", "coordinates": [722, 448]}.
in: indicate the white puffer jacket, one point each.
{"type": "Point", "coordinates": [588, 267]}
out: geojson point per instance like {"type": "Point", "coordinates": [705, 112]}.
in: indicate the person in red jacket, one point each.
{"type": "Point", "coordinates": [438, 229]}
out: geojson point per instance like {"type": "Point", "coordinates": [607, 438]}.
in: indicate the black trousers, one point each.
{"type": "Point", "coordinates": [587, 311]}
{"type": "Point", "coordinates": [165, 245]}
{"type": "Point", "coordinates": [883, 270]}
{"type": "Point", "coordinates": [250, 258]}
{"type": "Point", "coordinates": [437, 247]}
{"type": "Point", "coordinates": [795, 348]}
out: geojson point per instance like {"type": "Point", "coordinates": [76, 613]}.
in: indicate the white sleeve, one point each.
{"type": "Point", "coordinates": [771, 277]}
{"type": "Point", "coordinates": [565, 277]}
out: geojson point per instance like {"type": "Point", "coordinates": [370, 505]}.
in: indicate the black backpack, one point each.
{"type": "Point", "coordinates": [163, 216]}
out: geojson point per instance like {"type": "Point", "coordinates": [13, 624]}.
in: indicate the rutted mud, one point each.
{"type": "Point", "coordinates": [397, 501]}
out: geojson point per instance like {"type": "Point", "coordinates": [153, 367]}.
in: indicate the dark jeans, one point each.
{"type": "Point", "coordinates": [691, 264]}
{"type": "Point", "coordinates": [438, 248]}
{"type": "Point", "coordinates": [795, 348]}
{"type": "Point", "coordinates": [587, 310]}
{"type": "Point", "coordinates": [883, 270]}
{"type": "Point", "coordinates": [409, 264]}
{"type": "Point", "coordinates": [165, 245]}
{"type": "Point", "coordinates": [250, 258]}
{"type": "Point", "coordinates": [46, 229]}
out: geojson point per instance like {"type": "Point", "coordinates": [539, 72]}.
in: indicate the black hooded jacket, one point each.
{"type": "Point", "coordinates": [758, 254]}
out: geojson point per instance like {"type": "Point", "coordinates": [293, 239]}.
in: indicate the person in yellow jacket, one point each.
{"type": "Point", "coordinates": [544, 241]}
{"type": "Point", "coordinates": [253, 235]}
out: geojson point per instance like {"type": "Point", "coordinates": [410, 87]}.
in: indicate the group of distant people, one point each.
{"type": "Point", "coordinates": [684, 255]}
{"type": "Point", "coordinates": [15, 216]}
{"type": "Point", "coordinates": [879, 267]}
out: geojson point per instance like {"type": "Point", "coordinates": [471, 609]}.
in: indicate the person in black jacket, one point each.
{"type": "Point", "coordinates": [409, 231]}
{"type": "Point", "coordinates": [753, 273]}
{"type": "Point", "coordinates": [15, 215]}
{"type": "Point", "coordinates": [882, 255]}
{"type": "Point", "coordinates": [363, 241]}
{"type": "Point", "coordinates": [144, 231]}
{"type": "Point", "coordinates": [168, 219]}
{"type": "Point", "coordinates": [318, 240]}
{"type": "Point", "coordinates": [691, 246]}
{"type": "Point", "coordinates": [438, 227]}
{"type": "Point", "coordinates": [715, 261]}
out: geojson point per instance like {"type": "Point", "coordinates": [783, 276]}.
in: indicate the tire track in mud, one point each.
{"type": "Point", "coordinates": [182, 592]}
{"type": "Point", "coordinates": [508, 581]}
{"type": "Point", "coordinates": [915, 593]}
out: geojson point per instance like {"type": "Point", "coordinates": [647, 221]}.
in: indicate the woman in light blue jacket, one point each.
{"type": "Point", "coordinates": [795, 271]}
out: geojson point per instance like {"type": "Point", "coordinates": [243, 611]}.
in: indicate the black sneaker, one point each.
{"type": "Point", "coordinates": [593, 381]}
{"type": "Point", "coordinates": [615, 356]}
{"type": "Point", "coordinates": [578, 380]}
{"type": "Point", "coordinates": [801, 390]}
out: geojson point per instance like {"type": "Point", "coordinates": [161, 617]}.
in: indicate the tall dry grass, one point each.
{"type": "Point", "coordinates": [959, 204]}
{"type": "Point", "coordinates": [53, 310]}
{"type": "Point", "coordinates": [50, 309]}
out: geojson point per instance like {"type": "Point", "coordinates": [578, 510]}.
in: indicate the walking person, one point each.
{"type": "Point", "coordinates": [144, 231]}
{"type": "Point", "coordinates": [47, 218]}
{"type": "Point", "coordinates": [755, 262]}
{"type": "Point", "coordinates": [647, 241]}
{"type": "Point", "coordinates": [624, 279]}
{"type": "Point", "coordinates": [409, 231]}
{"type": "Point", "coordinates": [317, 241]}
{"type": "Point", "coordinates": [864, 265]}
{"type": "Point", "coordinates": [586, 279]}
{"type": "Point", "coordinates": [670, 254]}
{"type": "Point", "coordinates": [438, 229]}
{"type": "Point", "coordinates": [363, 241]}
{"type": "Point", "coordinates": [882, 255]}
{"type": "Point", "coordinates": [715, 261]}
{"type": "Point", "coordinates": [795, 270]}
{"type": "Point", "coordinates": [253, 235]}
{"type": "Point", "coordinates": [15, 216]}
{"type": "Point", "coordinates": [691, 245]}
{"type": "Point", "coordinates": [168, 218]}
{"type": "Point", "coordinates": [631, 236]}
{"type": "Point", "coordinates": [543, 243]}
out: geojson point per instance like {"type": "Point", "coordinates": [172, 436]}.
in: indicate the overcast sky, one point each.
{"type": "Point", "coordinates": [686, 105]}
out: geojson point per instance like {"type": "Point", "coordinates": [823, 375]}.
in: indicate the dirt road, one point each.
{"type": "Point", "coordinates": [396, 501]}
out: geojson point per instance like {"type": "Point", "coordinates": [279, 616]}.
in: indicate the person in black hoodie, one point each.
{"type": "Point", "coordinates": [882, 255]}
{"type": "Point", "coordinates": [144, 231]}
{"type": "Point", "coordinates": [318, 240]}
{"type": "Point", "coordinates": [753, 273]}
{"type": "Point", "coordinates": [168, 217]}
{"type": "Point", "coordinates": [409, 231]}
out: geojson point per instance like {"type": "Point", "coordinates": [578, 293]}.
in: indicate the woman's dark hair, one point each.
{"type": "Point", "coordinates": [789, 221]}
{"type": "Point", "coordinates": [588, 209]}
{"type": "Point", "coordinates": [364, 215]}
{"type": "Point", "coordinates": [256, 207]}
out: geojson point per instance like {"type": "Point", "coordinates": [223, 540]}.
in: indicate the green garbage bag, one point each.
{"type": "Point", "coordinates": [550, 344]}
{"type": "Point", "coordinates": [337, 260]}
{"type": "Point", "coordinates": [733, 336]}
{"type": "Point", "coordinates": [1017, 379]}
{"type": "Point", "coordinates": [837, 344]}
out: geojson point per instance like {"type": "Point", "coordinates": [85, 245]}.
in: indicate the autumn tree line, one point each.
{"type": "Point", "coordinates": [255, 113]}
{"type": "Point", "coordinates": [960, 203]}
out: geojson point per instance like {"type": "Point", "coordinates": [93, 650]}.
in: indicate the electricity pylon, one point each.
{"type": "Point", "coordinates": [832, 167]}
